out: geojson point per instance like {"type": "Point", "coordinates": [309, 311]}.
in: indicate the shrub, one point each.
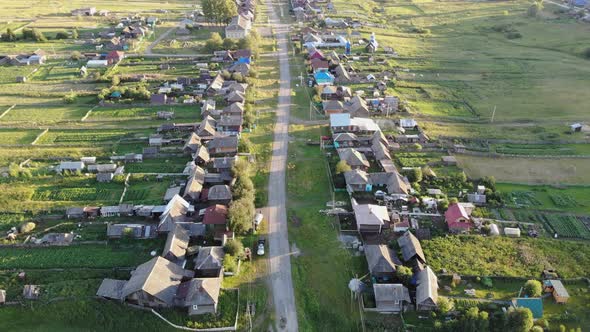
{"type": "Point", "coordinates": [533, 288]}
{"type": "Point", "coordinates": [27, 227]}
{"type": "Point", "coordinates": [61, 35]}
{"type": "Point", "coordinates": [70, 97]}
{"type": "Point", "coordinates": [342, 167]}
{"type": "Point", "coordinates": [587, 53]}
{"type": "Point", "coordinates": [234, 247]}
{"type": "Point", "coordinates": [229, 263]}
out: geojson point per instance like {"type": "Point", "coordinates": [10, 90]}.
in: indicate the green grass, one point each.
{"type": "Point", "coordinates": [571, 198]}
{"type": "Point", "coordinates": [16, 136]}
{"type": "Point", "coordinates": [78, 256]}
{"type": "Point", "coordinates": [501, 256]}
{"type": "Point", "coordinates": [321, 273]}
{"type": "Point", "coordinates": [44, 115]}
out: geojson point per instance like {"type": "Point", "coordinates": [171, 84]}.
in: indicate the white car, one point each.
{"type": "Point", "coordinates": [260, 249]}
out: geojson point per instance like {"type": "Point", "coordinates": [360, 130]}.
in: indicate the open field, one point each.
{"type": "Point", "coordinates": [321, 273]}
{"type": "Point", "coordinates": [501, 256]}
{"type": "Point", "coordinates": [566, 198]}
{"type": "Point", "coordinates": [528, 170]}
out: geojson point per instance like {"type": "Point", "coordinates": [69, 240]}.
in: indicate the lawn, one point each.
{"type": "Point", "coordinates": [75, 256]}
{"type": "Point", "coordinates": [565, 171]}
{"type": "Point", "coordinates": [188, 112]}
{"type": "Point", "coordinates": [44, 115]}
{"type": "Point", "coordinates": [501, 256]}
{"type": "Point", "coordinates": [90, 136]}
{"type": "Point", "coordinates": [17, 136]}
{"type": "Point", "coordinates": [321, 273]}
{"type": "Point", "coordinates": [560, 198]}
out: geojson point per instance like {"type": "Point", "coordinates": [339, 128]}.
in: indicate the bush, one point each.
{"type": "Point", "coordinates": [76, 56]}
{"type": "Point", "coordinates": [27, 227]}
{"type": "Point", "coordinates": [587, 53]}
{"type": "Point", "coordinates": [70, 97]}
{"type": "Point", "coordinates": [245, 145]}
{"type": "Point", "coordinates": [513, 35]}
{"type": "Point", "coordinates": [533, 288]}
{"type": "Point", "coordinates": [229, 263]}
{"type": "Point", "coordinates": [342, 167]}
{"type": "Point", "coordinates": [61, 35]}
{"type": "Point", "coordinates": [234, 247]}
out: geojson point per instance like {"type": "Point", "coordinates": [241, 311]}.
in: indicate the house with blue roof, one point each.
{"type": "Point", "coordinates": [323, 78]}
{"type": "Point", "coordinates": [534, 304]}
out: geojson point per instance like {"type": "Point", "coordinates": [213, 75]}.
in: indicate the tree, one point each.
{"type": "Point", "coordinates": [415, 175]}
{"type": "Point", "coordinates": [70, 97]}
{"type": "Point", "coordinates": [75, 34]}
{"type": "Point", "coordinates": [9, 35]}
{"type": "Point", "coordinates": [243, 187]}
{"type": "Point", "coordinates": [445, 305]}
{"type": "Point", "coordinates": [27, 227]}
{"type": "Point", "coordinates": [214, 43]}
{"type": "Point", "coordinates": [229, 44]}
{"type": "Point", "coordinates": [240, 215]}
{"type": "Point", "coordinates": [535, 8]}
{"type": "Point", "coordinates": [76, 55]}
{"type": "Point", "coordinates": [404, 274]}
{"type": "Point", "coordinates": [34, 34]}
{"type": "Point", "coordinates": [234, 247]}
{"type": "Point", "coordinates": [219, 11]}
{"type": "Point", "coordinates": [519, 320]}
{"type": "Point", "coordinates": [61, 35]}
{"type": "Point", "coordinates": [245, 145]}
{"type": "Point", "coordinates": [342, 167]}
{"type": "Point", "coordinates": [533, 288]}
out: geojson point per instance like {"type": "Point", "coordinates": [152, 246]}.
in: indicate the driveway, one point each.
{"type": "Point", "coordinates": [279, 249]}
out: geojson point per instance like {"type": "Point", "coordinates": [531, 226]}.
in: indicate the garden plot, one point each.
{"type": "Point", "coordinates": [44, 114]}
{"type": "Point", "coordinates": [17, 136]}
{"type": "Point", "coordinates": [567, 226]}
{"type": "Point", "coordinates": [98, 193]}
{"type": "Point", "coordinates": [190, 112]}
{"type": "Point", "coordinates": [88, 137]}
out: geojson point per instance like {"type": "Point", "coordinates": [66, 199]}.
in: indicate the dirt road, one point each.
{"type": "Point", "coordinates": [279, 249]}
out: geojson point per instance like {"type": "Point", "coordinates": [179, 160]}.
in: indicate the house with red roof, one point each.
{"type": "Point", "coordinates": [114, 57]}
{"type": "Point", "coordinates": [458, 218]}
{"type": "Point", "coordinates": [316, 54]}
{"type": "Point", "coordinates": [215, 215]}
{"type": "Point", "coordinates": [319, 65]}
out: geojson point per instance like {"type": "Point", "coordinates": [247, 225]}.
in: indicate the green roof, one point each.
{"type": "Point", "coordinates": [534, 304]}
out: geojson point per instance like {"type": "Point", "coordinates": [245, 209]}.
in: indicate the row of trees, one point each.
{"type": "Point", "coordinates": [242, 209]}
{"type": "Point", "coordinates": [217, 43]}
{"type": "Point", "coordinates": [219, 11]}
{"type": "Point", "coordinates": [35, 35]}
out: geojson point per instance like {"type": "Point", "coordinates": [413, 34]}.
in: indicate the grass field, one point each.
{"type": "Point", "coordinates": [528, 170]}
{"type": "Point", "coordinates": [321, 273]}
{"type": "Point", "coordinates": [501, 256]}
{"type": "Point", "coordinates": [570, 199]}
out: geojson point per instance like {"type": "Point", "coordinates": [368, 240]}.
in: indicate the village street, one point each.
{"type": "Point", "coordinates": [280, 263]}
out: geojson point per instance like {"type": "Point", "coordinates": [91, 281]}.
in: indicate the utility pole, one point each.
{"type": "Point", "coordinates": [310, 110]}
{"type": "Point", "coordinates": [493, 113]}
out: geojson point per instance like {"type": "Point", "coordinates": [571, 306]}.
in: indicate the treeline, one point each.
{"type": "Point", "coordinates": [35, 35]}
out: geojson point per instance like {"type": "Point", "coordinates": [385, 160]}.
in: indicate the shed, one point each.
{"type": "Point", "coordinates": [512, 232]}
{"type": "Point", "coordinates": [494, 230]}
{"type": "Point", "coordinates": [2, 296]}
{"type": "Point", "coordinates": [556, 287]}
{"type": "Point", "coordinates": [31, 292]}
{"type": "Point", "coordinates": [21, 79]}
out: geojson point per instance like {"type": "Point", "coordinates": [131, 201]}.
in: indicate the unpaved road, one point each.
{"type": "Point", "coordinates": [279, 249]}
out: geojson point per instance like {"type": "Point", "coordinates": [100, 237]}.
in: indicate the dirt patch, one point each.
{"type": "Point", "coordinates": [295, 221]}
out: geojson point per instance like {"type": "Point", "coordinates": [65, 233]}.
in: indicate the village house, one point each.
{"type": "Point", "coordinates": [426, 290]}
{"type": "Point", "coordinates": [199, 295]}
{"type": "Point", "coordinates": [176, 245]}
{"type": "Point", "coordinates": [370, 218]}
{"type": "Point", "coordinates": [382, 262]}
{"type": "Point", "coordinates": [219, 194]}
{"type": "Point", "coordinates": [56, 239]}
{"type": "Point", "coordinates": [391, 297]}
{"type": "Point", "coordinates": [136, 231]}
{"type": "Point", "coordinates": [411, 249]}
{"type": "Point", "coordinates": [215, 217]}
{"type": "Point", "coordinates": [194, 186]}
{"type": "Point", "coordinates": [345, 140]}
{"type": "Point", "coordinates": [158, 99]}
{"type": "Point", "coordinates": [358, 181]}
{"type": "Point", "coordinates": [354, 158]}
{"type": "Point", "coordinates": [192, 144]}
{"type": "Point", "coordinates": [175, 211]}
{"type": "Point", "coordinates": [220, 146]}
{"type": "Point", "coordinates": [209, 262]}
{"type": "Point", "coordinates": [90, 11]}
{"type": "Point", "coordinates": [239, 27]}
{"type": "Point", "coordinates": [457, 218]}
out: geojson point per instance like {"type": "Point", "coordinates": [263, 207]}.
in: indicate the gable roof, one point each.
{"type": "Point", "coordinates": [219, 192]}
{"type": "Point", "coordinates": [380, 259]}
{"type": "Point", "coordinates": [357, 177]}
{"type": "Point", "coordinates": [369, 214]}
{"type": "Point", "coordinates": [199, 292]}
{"type": "Point", "coordinates": [455, 212]}
{"type": "Point", "coordinates": [393, 181]}
{"type": "Point", "coordinates": [209, 258]}
{"type": "Point", "coordinates": [410, 246]}
{"type": "Point", "coordinates": [195, 183]}
{"type": "Point", "coordinates": [391, 293]}
{"type": "Point", "coordinates": [215, 215]}
{"type": "Point", "coordinates": [158, 277]}
{"type": "Point", "coordinates": [176, 243]}
{"type": "Point", "coordinates": [353, 158]}
{"type": "Point", "coordinates": [427, 286]}
{"type": "Point", "coordinates": [340, 120]}
{"type": "Point", "coordinates": [175, 211]}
